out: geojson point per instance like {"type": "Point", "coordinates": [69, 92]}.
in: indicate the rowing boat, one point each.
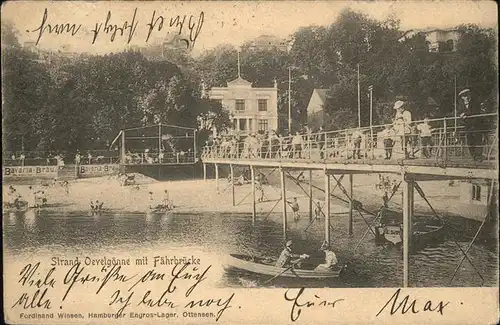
{"type": "Point", "coordinates": [161, 208]}
{"type": "Point", "coordinates": [266, 266]}
{"type": "Point", "coordinates": [424, 229]}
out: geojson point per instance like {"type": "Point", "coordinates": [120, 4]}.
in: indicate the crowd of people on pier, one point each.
{"type": "Point", "coordinates": [411, 138]}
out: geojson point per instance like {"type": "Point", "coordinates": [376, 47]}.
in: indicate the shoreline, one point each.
{"type": "Point", "coordinates": [188, 196]}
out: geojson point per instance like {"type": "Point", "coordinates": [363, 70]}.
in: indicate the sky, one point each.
{"type": "Point", "coordinates": [214, 22]}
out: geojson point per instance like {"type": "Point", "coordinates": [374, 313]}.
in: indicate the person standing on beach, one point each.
{"type": "Point", "coordinates": [259, 188]}
{"type": "Point", "coordinates": [318, 211]}
{"type": "Point", "coordinates": [78, 157]}
{"type": "Point", "coordinates": [295, 209]}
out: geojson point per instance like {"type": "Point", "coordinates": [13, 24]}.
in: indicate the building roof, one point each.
{"type": "Point", "coordinates": [426, 31]}
{"type": "Point", "coordinates": [239, 82]}
{"type": "Point", "coordinates": [322, 93]}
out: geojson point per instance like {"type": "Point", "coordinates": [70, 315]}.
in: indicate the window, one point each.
{"type": "Point", "coordinates": [262, 105]}
{"type": "Point", "coordinates": [476, 192]}
{"type": "Point", "coordinates": [263, 125]}
{"type": "Point", "coordinates": [449, 46]}
{"type": "Point", "coordinates": [243, 124]}
{"type": "Point", "coordinates": [240, 104]}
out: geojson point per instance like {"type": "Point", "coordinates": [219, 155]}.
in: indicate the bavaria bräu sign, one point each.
{"type": "Point", "coordinates": [97, 170]}
{"type": "Point", "coordinates": [29, 171]}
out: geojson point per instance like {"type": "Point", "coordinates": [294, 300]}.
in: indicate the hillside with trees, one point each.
{"type": "Point", "coordinates": [83, 101]}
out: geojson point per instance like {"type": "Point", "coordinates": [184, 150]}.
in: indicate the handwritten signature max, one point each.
{"type": "Point", "coordinates": [30, 277]}
{"type": "Point", "coordinates": [404, 305]}
{"type": "Point", "coordinates": [187, 27]}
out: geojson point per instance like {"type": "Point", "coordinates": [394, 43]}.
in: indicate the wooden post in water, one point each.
{"type": "Point", "coordinates": [159, 141]}
{"type": "Point", "coordinates": [408, 199]}
{"type": "Point", "coordinates": [351, 198]}
{"type": "Point", "coordinates": [283, 200]}
{"type": "Point", "coordinates": [310, 195]}
{"type": "Point", "coordinates": [122, 155]}
{"type": "Point", "coordinates": [217, 178]}
{"type": "Point", "coordinates": [232, 184]}
{"type": "Point", "coordinates": [252, 172]}
{"type": "Point", "coordinates": [327, 207]}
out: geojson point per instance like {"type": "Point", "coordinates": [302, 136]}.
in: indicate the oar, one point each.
{"type": "Point", "coordinates": [245, 248]}
{"type": "Point", "coordinates": [287, 269]}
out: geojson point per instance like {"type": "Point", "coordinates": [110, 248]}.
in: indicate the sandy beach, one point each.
{"type": "Point", "coordinates": [187, 195]}
{"type": "Point", "coordinates": [199, 196]}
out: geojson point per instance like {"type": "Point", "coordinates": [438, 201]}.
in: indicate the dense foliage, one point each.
{"type": "Point", "coordinates": [82, 102]}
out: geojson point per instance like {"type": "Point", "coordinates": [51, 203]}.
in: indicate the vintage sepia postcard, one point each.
{"type": "Point", "coordinates": [250, 162]}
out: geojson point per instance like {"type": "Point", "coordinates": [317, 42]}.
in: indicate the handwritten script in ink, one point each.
{"type": "Point", "coordinates": [111, 28]}
{"type": "Point", "coordinates": [150, 289]}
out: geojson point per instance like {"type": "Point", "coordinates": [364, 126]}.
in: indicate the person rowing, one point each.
{"type": "Point", "coordinates": [288, 258]}
{"type": "Point", "coordinates": [330, 257]}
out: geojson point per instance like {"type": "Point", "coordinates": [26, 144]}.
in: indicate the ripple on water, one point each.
{"type": "Point", "coordinates": [217, 235]}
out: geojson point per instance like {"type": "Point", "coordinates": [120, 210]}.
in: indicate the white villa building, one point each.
{"type": "Point", "coordinates": [252, 109]}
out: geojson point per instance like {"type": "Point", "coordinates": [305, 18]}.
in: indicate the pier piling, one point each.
{"type": "Point", "coordinates": [122, 148]}
{"type": "Point", "coordinates": [310, 195]}
{"type": "Point", "coordinates": [252, 172]}
{"type": "Point", "coordinates": [327, 206]}
{"type": "Point", "coordinates": [351, 198]}
{"type": "Point", "coordinates": [232, 184]}
{"type": "Point", "coordinates": [217, 178]}
{"type": "Point", "coordinates": [283, 200]}
{"type": "Point", "coordinates": [408, 200]}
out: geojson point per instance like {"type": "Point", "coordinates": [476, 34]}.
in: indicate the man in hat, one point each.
{"type": "Point", "coordinates": [357, 138]}
{"type": "Point", "coordinates": [286, 256]}
{"type": "Point", "coordinates": [468, 106]}
{"type": "Point", "coordinates": [402, 123]}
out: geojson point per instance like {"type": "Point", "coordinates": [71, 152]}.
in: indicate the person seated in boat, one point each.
{"type": "Point", "coordinates": [166, 203]}
{"type": "Point", "coordinates": [330, 257]}
{"type": "Point", "coordinates": [288, 258]}
{"type": "Point", "coordinates": [39, 199]}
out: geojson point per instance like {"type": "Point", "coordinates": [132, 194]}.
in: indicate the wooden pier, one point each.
{"type": "Point", "coordinates": [410, 172]}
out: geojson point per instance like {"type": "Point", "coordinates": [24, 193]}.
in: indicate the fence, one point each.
{"type": "Point", "coordinates": [439, 139]}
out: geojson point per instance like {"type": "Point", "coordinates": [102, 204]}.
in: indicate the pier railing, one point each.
{"type": "Point", "coordinates": [96, 157]}
{"type": "Point", "coordinates": [155, 158]}
{"type": "Point", "coordinates": [445, 139]}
